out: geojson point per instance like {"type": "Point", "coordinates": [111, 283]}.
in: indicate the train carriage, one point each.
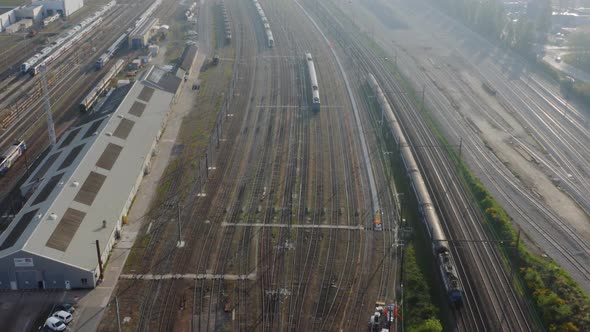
{"type": "Point", "coordinates": [11, 155]}
{"type": "Point", "coordinates": [315, 92]}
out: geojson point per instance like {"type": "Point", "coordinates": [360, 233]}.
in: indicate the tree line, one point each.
{"type": "Point", "coordinates": [517, 30]}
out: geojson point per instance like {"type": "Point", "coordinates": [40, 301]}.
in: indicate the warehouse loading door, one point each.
{"type": "Point", "coordinates": [26, 279]}
{"type": "Point", "coordinates": [4, 280]}
{"type": "Point", "coordinates": [54, 280]}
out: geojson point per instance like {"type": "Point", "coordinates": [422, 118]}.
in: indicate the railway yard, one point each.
{"type": "Point", "coordinates": [321, 141]}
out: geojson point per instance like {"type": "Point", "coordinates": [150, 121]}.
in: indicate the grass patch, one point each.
{"type": "Point", "coordinates": [137, 253]}
{"type": "Point", "coordinates": [8, 3]}
{"type": "Point", "coordinates": [422, 314]}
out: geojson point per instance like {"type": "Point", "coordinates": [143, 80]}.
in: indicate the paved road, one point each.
{"type": "Point", "coordinates": [552, 53]}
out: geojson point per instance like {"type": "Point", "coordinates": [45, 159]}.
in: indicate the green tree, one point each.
{"type": "Point", "coordinates": [417, 294]}
{"type": "Point", "coordinates": [429, 325]}
{"type": "Point", "coordinates": [539, 11]}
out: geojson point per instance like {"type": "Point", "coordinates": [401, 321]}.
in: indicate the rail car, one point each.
{"type": "Point", "coordinates": [270, 41]}
{"type": "Point", "coordinates": [145, 15]}
{"type": "Point", "coordinates": [11, 155]}
{"type": "Point", "coordinates": [106, 56]}
{"type": "Point", "coordinates": [60, 51]}
{"type": "Point", "coordinates": [95, 93]}
{"type": "Point", "coordinates": [377, 225]}
{"type": "Point", "coordinates": [46, 21]}
{"type": "Point", "coordinates": [62, 41]}
{"type": "Point", "coordinates": [440, 248]}
{"type": "Point", "coordinates": [315, 92]}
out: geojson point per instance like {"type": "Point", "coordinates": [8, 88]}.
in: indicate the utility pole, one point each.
{"type": "Point", "coordinates": [423, 93]}
{"type": "Point", "coordinates": [47, 105]}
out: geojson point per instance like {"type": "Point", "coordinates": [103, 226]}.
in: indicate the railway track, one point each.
{"type": "Point", "coordinates": [557, 129]}
{"type": "Point", "coordinates": [162, 314]}
{"type": "Point", "coordinates": [375, 65]}
{"type": "Point", "coordinates": [502, 176]}
{"type": "Point", "coordinates": [580, 245]}
{"type": "Point", "coordinates": [277, 149]}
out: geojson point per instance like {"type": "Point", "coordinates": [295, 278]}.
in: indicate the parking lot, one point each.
{"type": "Point", "coordinates": [27, 311]}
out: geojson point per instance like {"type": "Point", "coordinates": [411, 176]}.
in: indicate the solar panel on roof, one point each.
{"type": "Point", "coordinates": [90, 188]}
{"type": "Point", "coordinates": [64, 232]}
{"type": "Point", "coordinates": [124, 128]}
{"type": "Point", "coordinates": [137, 109]}
{"type": "Point", "coordinates": [20, 227]}
{"type": "Point", "coordinates": [146, 94]}
{"type": "Point", "coordinates": [70, 138]}
{"type": "Point", "coordinates": [47, 189]}
{"type": "Point", "coordinates": [46, 166]}
{"type": "Point", "coordinates": [92, 129]}
{"type": "Point", "coordinates": [71, 157]}
{"type": "Point", "coordinates": [109, 156]}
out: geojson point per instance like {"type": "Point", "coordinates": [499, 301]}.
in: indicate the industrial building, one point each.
{"type": "Point", "coordinates": [18, 26]}
{"type": "Point", "coordinates": [79, 196]}
{"type": "Point", "coordinates": [33, 12]}
{"type": "Point", "coordinates": [63, 7]}
{"type": "Point", "coordinates": [140, 36]}
{"type": "Point", "coordinates": [14, 19]}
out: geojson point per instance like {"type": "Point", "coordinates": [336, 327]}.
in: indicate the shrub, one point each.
{"type": "Point", "coordinates": [420, 311]}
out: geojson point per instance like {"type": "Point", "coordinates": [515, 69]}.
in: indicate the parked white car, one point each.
{"type": "Point", "coordinates": [64, 316]}
{"type": "Point", "coordinates": [55, 324]}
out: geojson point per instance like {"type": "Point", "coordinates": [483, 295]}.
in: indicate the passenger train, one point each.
{"type": "Point", "coordinates": [106, 56]}
{"type": "Point", "coordinates": [64, 42]}
{"type": "Point", "coordinates": [11, 155]}
{"type": "Point", "coordinates": [440, 247]}
{"type": "Point", "coordinates": [315, 92]}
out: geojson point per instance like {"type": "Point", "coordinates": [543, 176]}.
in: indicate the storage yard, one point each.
{"type": "Point", "coordinates": [297, 166]}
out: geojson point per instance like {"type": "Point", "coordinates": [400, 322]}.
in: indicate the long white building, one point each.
{"type": "Point", "coordinates": [82, 191]}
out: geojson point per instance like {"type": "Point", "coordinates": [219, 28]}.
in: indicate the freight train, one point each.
{"type": "Point", "coordinates": [315, 92]}
{"type": "Point", "coordinates": [269, 37]}
{"type": "Point", "coordinates": [440, 246]}
{"type": "Point", "coordinates": [11, 155]}
{"type": "Point", "coordinates": [95, 93]}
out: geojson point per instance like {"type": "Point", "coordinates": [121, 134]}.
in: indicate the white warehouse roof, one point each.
{"type": "Point", "coordinates": [91, 175]}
